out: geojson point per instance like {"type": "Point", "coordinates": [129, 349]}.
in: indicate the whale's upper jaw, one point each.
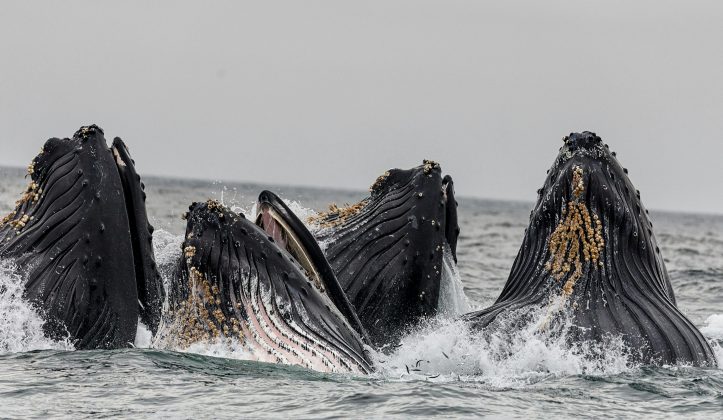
{"type": "Point", "coordinates": [586, 141]}
{"type": "Point", "coordinates": [604, 184]}
{"type": "Point", "coordinates": [584, 148]}
{"type": "Point", "coordinates": [586, 177]}
{"type": "Point", "coordinates": [428, 180]}
{"type": "Point", "coordinates": [81, 234]}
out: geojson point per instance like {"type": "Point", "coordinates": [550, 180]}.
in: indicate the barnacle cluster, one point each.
{"type": "Point", "coordinates": [379, 181]}
{"type": "Point", "coordinates": [20, 222]}
{"type": "Point", "coordinates": [577, 239]}
{"type": "Point", "coordinates": [429, 165]}
{"type": "Point", "coordinates": [199, 317]}
{"type": "Point", "coordinates": [31, 194]}
{"type": "Point", "coordinates": [189, 251]}
{"type": "Point", "coordinates": [84, 131]}
{"type": "Point", "coordinates": [336, 215]}
{"type": "Point", "coordinates": [7, 218]}
{"type": "Point", "coordinates": [214, 205]}
{"type": "Point", "coordinates": [15, 218]}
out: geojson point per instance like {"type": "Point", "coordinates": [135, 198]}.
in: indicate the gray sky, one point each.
{"type": "Point", "coordinates": [332, 93]}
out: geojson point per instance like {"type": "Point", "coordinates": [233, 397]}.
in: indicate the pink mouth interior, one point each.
{"type": "Point", "coordinates": [272, 228]}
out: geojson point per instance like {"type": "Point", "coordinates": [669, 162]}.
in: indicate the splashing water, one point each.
{"type": "Point", "coordinates": [167, 248]}
{"type": "Point", "coordinates": [713, 327]}
{"type": "Point", "coordinates": [144, 336]}
{"type": "Point", "coordinates": [303, 213]}
{"type": "Point", "coordinates": [21, 327]}
{"type": "Point", "coordinates": [452, 300]}
{"type": "Point", "coordinates": [220, 347]}
{"type": "Point", "coordinates": [718, 350]}
{"type": "Point", "coordinates": [502, 357]}
{"type": "Point", "coordinates": [516, 373]}
{"type": "Point", "coordinates": [441, 350]}
{"type": "Point", "coordinates": [713, 330]}
{"type": "Point", "coordinates": [446, 350]}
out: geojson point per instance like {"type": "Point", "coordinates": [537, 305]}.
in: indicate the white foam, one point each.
{"type": "Point", "coordinates": [167, 249]}
{"type": "Point", "coordinates": [303, 213]}
{"type": "Point", "coordinates": [713, 328]}
{"type": "Point", "coordinates": [223, 347]}
{"type": "Point", "coordinates": [248, 211]}
{"type": "Point", "coordinates": [718, 351]}
{"type": "Point", "coordinates": [144, 336]}
{"type": "Point", "coordinates": [21, 327]}
{"type": "Point", "coordinates": [507, 357]}
{"type": "Point", "coordinates": [452, 300]}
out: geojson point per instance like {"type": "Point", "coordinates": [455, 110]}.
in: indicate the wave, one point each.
{"type": "Point", "coordinates": [502, 357]}
{"type": "Point", "coordinates": [21, 326]}
{"type": "Point", "coordinates": [713, 330]}
{"type": "Point", "coordinates": [713, 327]}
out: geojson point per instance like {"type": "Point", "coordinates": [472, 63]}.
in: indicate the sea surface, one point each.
{"type": "Point", "coordinates": [440, 370]}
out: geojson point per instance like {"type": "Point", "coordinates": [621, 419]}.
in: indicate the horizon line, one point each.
{"type": "Point", "coordinates": [354, 190]}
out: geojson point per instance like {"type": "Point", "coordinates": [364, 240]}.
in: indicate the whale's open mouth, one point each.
{"type": "Point", "coordinates": [290, 233]}
{"type": "Point", "coordinates": [278, 227]}
{"type": "Point", "coordinates": [237, 281]}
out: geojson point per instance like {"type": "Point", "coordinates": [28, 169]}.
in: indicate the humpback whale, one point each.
{"type": "Point", "coordinates": [590, 257]}
{"type": "Point", "coordinates": [81, 237]}
{"type": "Point", "coordinates": [261, 287]}
{"type": "Point", "coordinates": [387, 251]}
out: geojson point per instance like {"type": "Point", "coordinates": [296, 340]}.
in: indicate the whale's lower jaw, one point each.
{"type": "Point", "coordinates": [255, 324]}
{"type": "Point", "coordinates": [237, 283]}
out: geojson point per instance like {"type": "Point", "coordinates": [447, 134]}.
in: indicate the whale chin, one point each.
{"type": "Point", "coordinates": [591, 258]}
{"type": "Point", "coordinates": [387, 251]}
{"type": "Point", "coordinates": [80, 235]}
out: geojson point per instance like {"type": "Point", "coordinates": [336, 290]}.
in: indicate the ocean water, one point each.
{"type": "Point", "coordinates": [440, 370]}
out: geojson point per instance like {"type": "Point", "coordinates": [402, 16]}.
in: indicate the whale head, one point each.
{"type": "Point", "coordinates": [591, 257]}
{"type": "Point", "coordinates": [237, 282]}
{"type": "Point", "coordinates": [81, 236]}
{"type": "Point", "coordinates": [388, 251]}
